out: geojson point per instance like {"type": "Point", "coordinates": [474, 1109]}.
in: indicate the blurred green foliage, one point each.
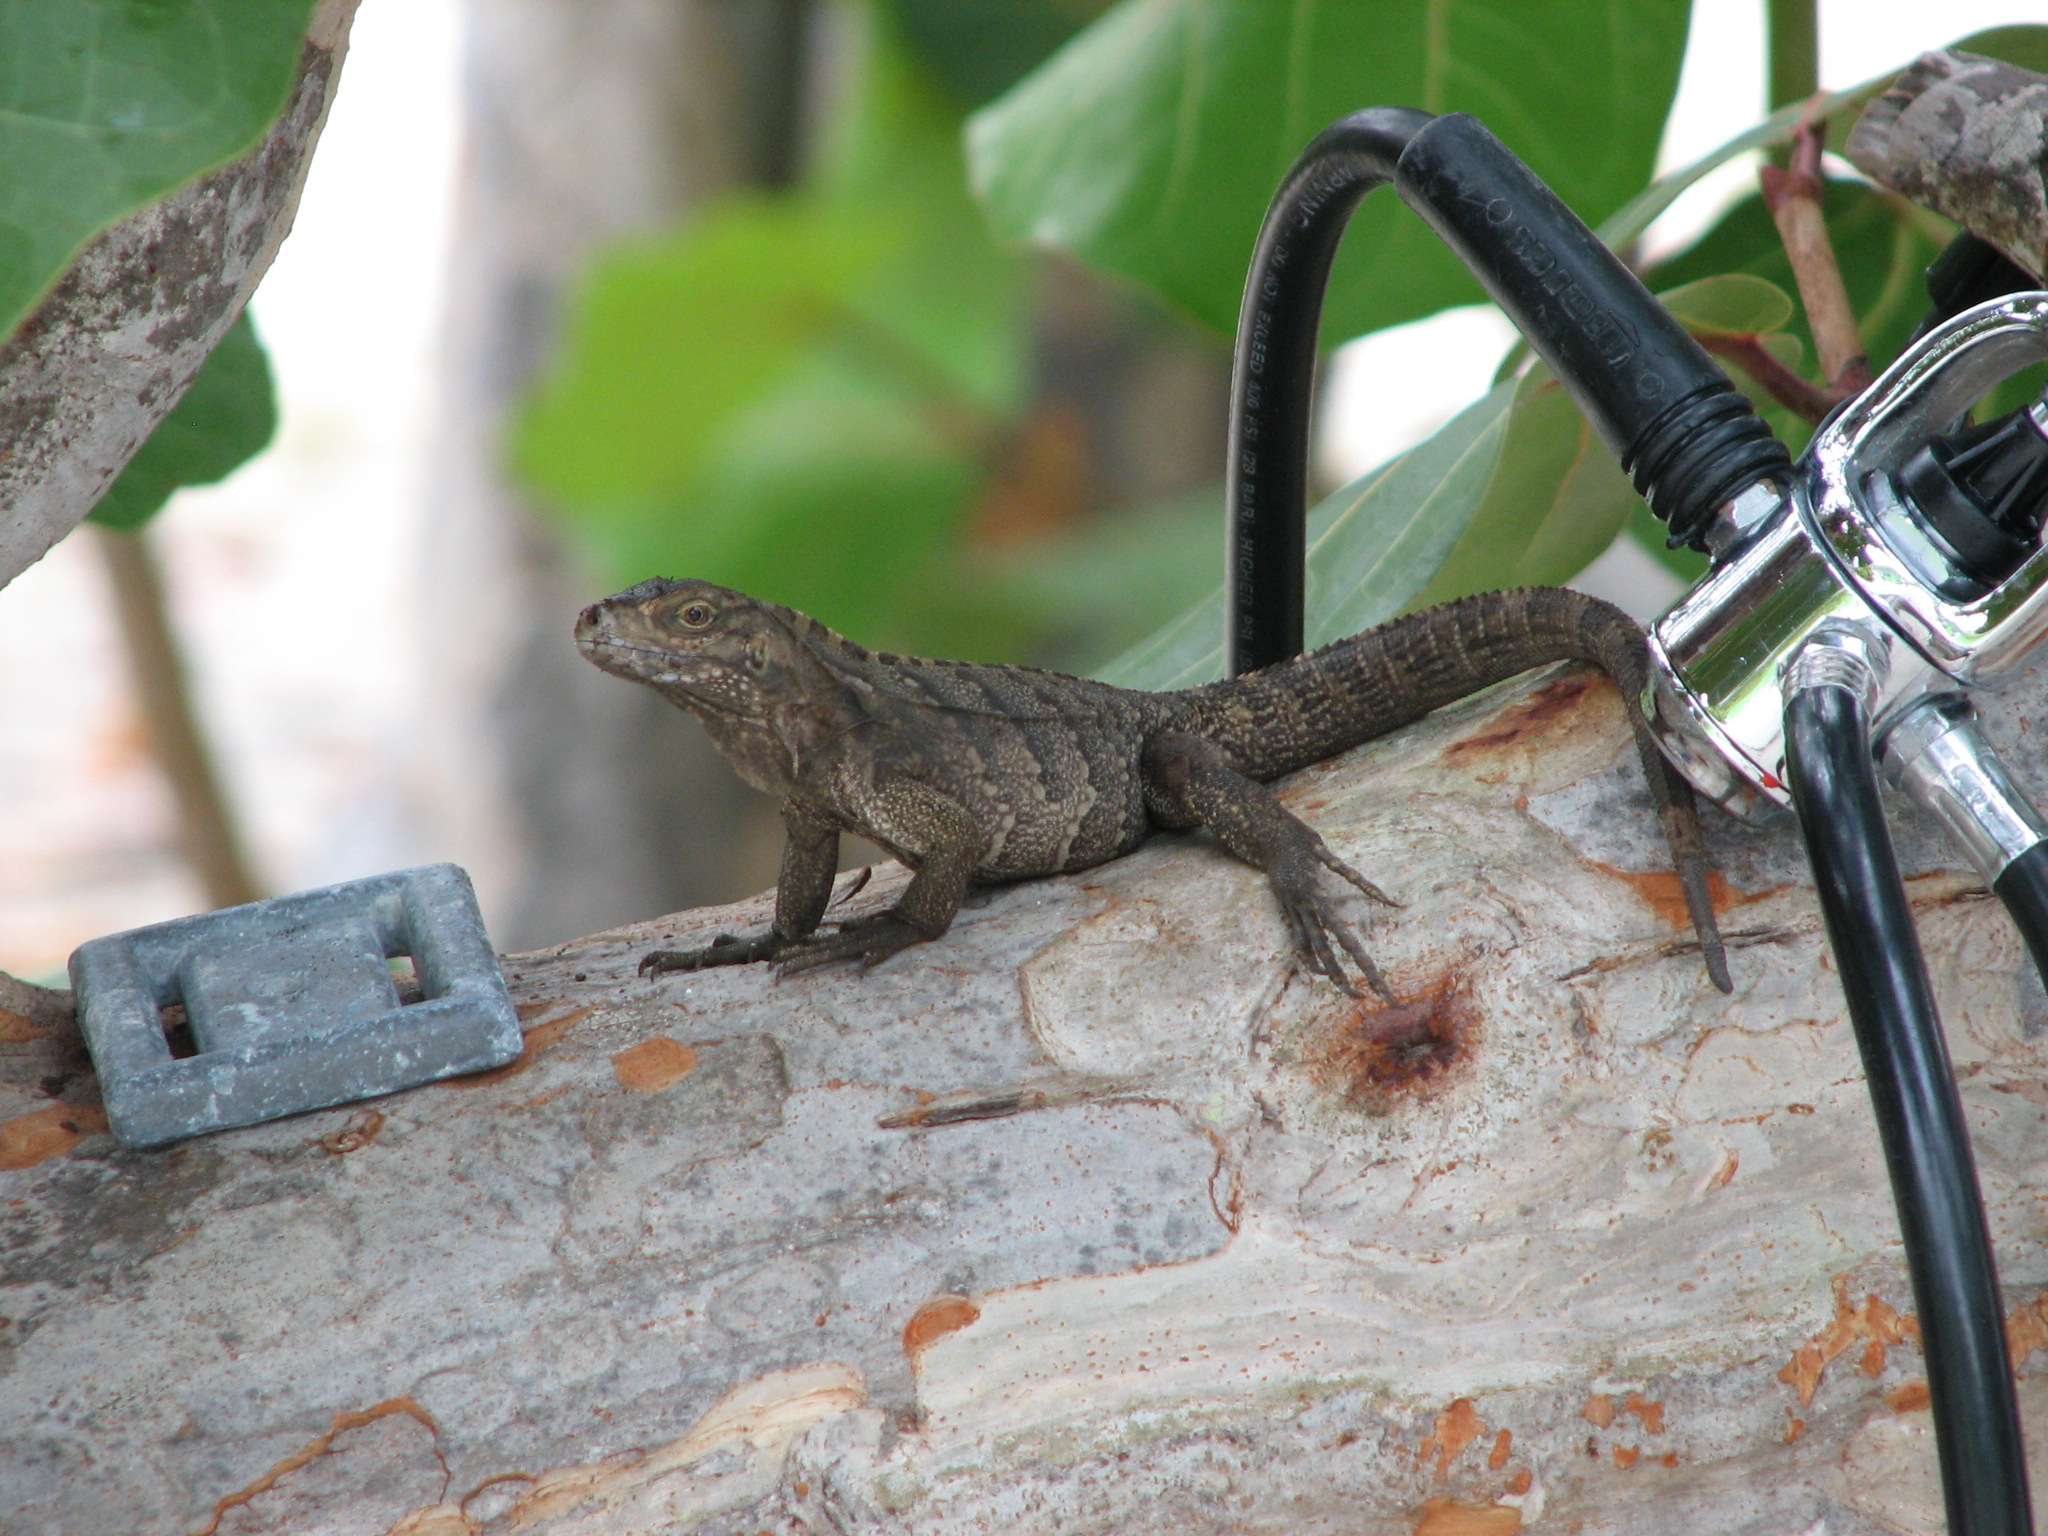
{"type": "Point", "coordinates": [821, 396]}
{"type": "Point", "coordinates": [800, 394]}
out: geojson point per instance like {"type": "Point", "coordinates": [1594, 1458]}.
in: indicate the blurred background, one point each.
{"type": "Point", "coordinates": [374, 613]}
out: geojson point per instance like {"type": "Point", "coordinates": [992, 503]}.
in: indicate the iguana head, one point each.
{"type": "Point", "coordinates": [708, 647]}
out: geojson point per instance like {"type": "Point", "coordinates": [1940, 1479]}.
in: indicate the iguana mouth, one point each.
{"type": "Point", "coordinates": [668, 677]}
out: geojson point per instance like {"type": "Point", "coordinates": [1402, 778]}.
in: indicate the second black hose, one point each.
{"type": "Point", "coordinates": [1919, 1114]}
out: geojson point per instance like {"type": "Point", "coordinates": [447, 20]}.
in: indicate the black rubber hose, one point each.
{"type": "Point", "coordinates": [1919, 1114]}
{"type": "Point", "coordinates": [1683, 432]}
{"type": "Point", "coordinates": [2023, 886]}
{"type": "Point", "coordinates": [1272, 383]}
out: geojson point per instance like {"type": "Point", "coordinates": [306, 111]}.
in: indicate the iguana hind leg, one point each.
{"type": "Point", "coordinates": [1191, 780]}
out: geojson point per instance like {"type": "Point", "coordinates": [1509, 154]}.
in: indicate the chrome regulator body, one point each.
{"type": "Point", "coordinates": [1839, 551]}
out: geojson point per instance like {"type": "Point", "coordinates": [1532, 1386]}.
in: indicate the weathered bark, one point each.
{"type": "Point", "coordinates": [1094, 1216]}
{"type": "Point", "coordinates": [104, 358]}
{"type": "Point", "coordinates": [1967, 137]}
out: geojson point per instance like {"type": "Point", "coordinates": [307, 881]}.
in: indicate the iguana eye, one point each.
{"type": "Point", "coordinates": [697, 615]}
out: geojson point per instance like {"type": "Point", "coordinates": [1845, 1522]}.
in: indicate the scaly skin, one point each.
{"type": "Point", "coordinates": [973, 774]}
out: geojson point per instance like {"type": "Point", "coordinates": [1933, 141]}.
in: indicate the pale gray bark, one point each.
{"type": "Point", "coordinates": [1569, 1239]}
{"type": "Point", "coordinates": [104, 358]}
{"type": "Point", "coordinates": [1967, 137]}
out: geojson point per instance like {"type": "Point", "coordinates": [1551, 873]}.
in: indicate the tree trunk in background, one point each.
{"type": "Point", "coordinates": [587, 803]}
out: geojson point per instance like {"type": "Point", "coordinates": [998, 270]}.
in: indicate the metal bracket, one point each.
{"type": "Point", "coordinates": [292, 1005]}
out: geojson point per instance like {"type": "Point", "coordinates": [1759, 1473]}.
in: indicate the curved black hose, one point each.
{"type": "Point", "coordinates": [1683, 432]}
{"type": "Point", "coordinates": [2023, 886]}
{"type": "Point", "coordinates": [1272, 382]}
{"type": "Point", "coordinates": [1919, 1115]}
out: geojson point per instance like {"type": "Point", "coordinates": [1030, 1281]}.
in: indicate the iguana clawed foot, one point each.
{"type": "Point", "coordinates": [726, 949]}
{"type": "Point", "coordinates": [1313, 922]}
{"type": "Point", "coordinates": [870, 940]}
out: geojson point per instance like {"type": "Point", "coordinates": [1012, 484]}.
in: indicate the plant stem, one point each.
{"type": "Point", "coordinates": [1793, 196]}
{"type": "Point", "coordinates": [1792, 36]}
{"type": "Point", "coordinates": [1808, 401]}
{"type": "Point", "coordinates": [165, 700]}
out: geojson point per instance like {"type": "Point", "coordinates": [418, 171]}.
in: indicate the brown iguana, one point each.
{"type": "Point", "coordinates": [972, 773]}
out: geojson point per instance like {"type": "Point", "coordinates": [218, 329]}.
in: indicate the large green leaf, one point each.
{"type": "Point", "coordinates": [106, 105]}
{"type": "Point", "coordinates": [1372, 547]}
{"type": "Point", "coordinates": [1151, 144]}
{"type": "Point", "coordinates": [226, 417]}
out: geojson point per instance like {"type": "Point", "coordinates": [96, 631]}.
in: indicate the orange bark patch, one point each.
{"type": "Point", "coordinates": [1599, 1410]}
{"type": "Point", "coordinates": [440, 1520]}
{"type": "Point", "coordinates": [2026, 1330]}
{"type": "Point", "coordinates": [1626, 1456]}
{"type": "Point", "coordinates": [1454, 1517]}
{"type": "Point", "coordinates": [1794, 1430]}
{"type": "Point", "coordinates": [1498, 1456]}
{"type": "Point", "coordinates": [653, 1065]}
{"type": "Point", "coordinates": [319, 1446]}
{"type": "Point", "coordinates": [1521, 1482]}
{"type": "Point", "coordinates": [49, 1132]}
{"type": "Point", "coordinates": [1651, 1414]}
{"type": "Point", "coordinates": [1526, 724]}
{"type": "Point", "coordinates": [18, 1028]}
{"type": "Point", "coordinates": [1668, 1459]}
{"type": "Point", "coordinates": [539, 1040]}
{"type": "Point", "coordinates": [934, 1320]}
{"type": "Point", "coordinates": [1660, 888]}
{"type": "Point", "coordinates": [1456, 1427]}
{"type": "Point", "coordinates": [1909, 1397]}
{"type": "Point", "coordinates": [1874, 1321]}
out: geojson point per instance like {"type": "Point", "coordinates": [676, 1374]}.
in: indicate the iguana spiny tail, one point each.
{"type": "Point", "coordinates": [974, 773]}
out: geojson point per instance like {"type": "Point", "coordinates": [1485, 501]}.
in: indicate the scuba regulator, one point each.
{"type": "Point", "coordinates": [1854, 600]}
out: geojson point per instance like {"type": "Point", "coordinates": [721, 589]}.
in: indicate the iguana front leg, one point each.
{"type": "Point", "coordinates": [810, 860]}
{"type": "Point", "coordinates": [936, 834]}
{"type": "Point", "coordinates": [1190, 779]}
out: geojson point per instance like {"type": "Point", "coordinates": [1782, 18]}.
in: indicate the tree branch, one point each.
{"type": "Point", "coordinates": [165, 700]}
{"type": "Point", "coordinates": [1793, 196]}
{"type": "Point", "coordinates": [1809, 401]}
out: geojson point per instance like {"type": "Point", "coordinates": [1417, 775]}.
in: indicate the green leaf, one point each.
{"type": "Point", "coordinates": [977, 49]}
{"type": "Point", "coordinates": [226, 417]}
{"type": "Point", "coordinates": [1553, 502]}
{"type": "Point", "coordinates": [1882, 245]}
{"type": "Point", "coordinates": [107, 105]}
{"type": "Point", "coordinates": [1731, 304]}
{"type": "Point", "coordinates": [666, 340]}
{"type": "Point", "coordinates": [1152, 143]}
{"type": "Point", "coordinates": [1372, 547]}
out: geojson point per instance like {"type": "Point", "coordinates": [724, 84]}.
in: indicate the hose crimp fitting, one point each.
{"type": "Point", "coordinates": [1700, 454]}
{"type": "Point", "coordinates": [1935, 752]}
{"type": "Point", "coordinates": [1845, 654]}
